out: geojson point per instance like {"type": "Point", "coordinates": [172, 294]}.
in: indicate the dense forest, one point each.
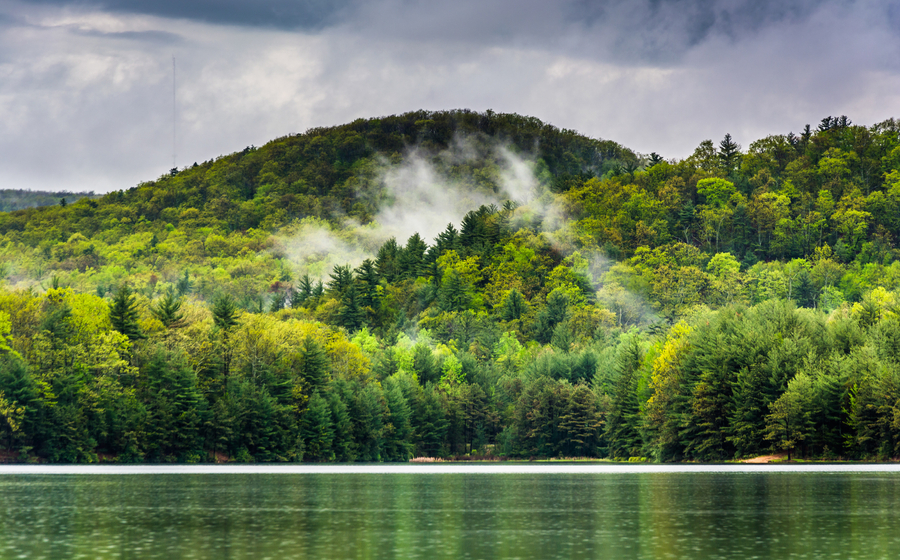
{"type": "Point", "coordinates": [624, 306]}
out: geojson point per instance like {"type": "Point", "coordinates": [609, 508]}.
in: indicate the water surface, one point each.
{"type": "Point", "coordinates": [451, 511]}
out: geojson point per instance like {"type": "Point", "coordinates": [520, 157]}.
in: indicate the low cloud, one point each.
{"type": "Point", "coordinates": [418, 198]}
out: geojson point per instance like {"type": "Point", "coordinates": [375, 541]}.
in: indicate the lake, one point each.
{"type": "Point", "coordinates": [451, 511]}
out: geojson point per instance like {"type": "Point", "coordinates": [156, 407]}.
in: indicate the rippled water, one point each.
{"type": "Point", "coordinates": [451, 512]}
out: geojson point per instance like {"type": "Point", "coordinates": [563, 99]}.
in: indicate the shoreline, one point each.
{"type": "Point", "coordinates": [492, 467]}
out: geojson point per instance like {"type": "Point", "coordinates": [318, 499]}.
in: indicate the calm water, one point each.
{"type": "Point", "coordinates": [559, 512]}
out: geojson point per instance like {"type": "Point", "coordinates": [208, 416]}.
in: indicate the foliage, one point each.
{"type": "Point", "coordinates": [726, 305]}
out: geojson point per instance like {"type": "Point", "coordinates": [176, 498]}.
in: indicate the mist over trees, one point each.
{"type": "Point", "coordinates": [17, 199]}
{"type": "Point", "coordinates": [589, 301]}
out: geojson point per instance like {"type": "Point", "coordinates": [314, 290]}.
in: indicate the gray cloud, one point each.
{"type": "Point", "coordinates": [86, 99]}
{"type": "Point", "coordinates": [153, 36]}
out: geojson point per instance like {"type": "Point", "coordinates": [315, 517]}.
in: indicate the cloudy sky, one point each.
{"type": "Point", "coordinates": [86, 87]}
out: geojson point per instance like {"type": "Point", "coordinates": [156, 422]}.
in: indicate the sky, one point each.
{"type": "Point", "coordinates": [86, 88]}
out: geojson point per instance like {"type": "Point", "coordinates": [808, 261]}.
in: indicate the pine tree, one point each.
{"type": "Point", "coordinates": [350, 314]}
{"type": "Point", "coordinates": [411, 260]}
{"type": "Point", "coordinates": [386, 260]}
{"type": "Point", "coordinates": [317, 430]}
{"type": "Point", "coordinates": [622, 420]}
{"type": "Point", "coordinates": [175, 406]}
{"type": "Point", "coordinates": [342, 443]}
{"type": "Point", "coordinates": [553, 314]}
{"type": "Point", "coordinates": [513, 306]}
{"type": "Point", "coordinates": [123, 314]}
{"type": "Point", "coordinates": [22, 401]}
{"type": "Point", "coordinates": [315, 366]}
{"type": "Point", "coordinates": [729, 154]}
{"type": "Point", "coordinates": [341, 279]}
{"type": "Point", "coordinates": [453, 295]}
{"type": "Point", "coordinates": [168, 311]}
{"type": "Point", "coordinates": [447, 240]}
{"type": "Point", "coordinates": [367, 277]}
{"type": "Point", "coordinates": [224, 312]}
{"type": "Point", "coordinates": [303, 292]}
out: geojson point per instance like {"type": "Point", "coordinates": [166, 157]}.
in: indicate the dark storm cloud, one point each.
{"type": "Point", "coordinates": [286, 14]}
{"type": "Point", "coordinates": [663, 30]}
{"type": "Point", "coordinates": [656, 32]}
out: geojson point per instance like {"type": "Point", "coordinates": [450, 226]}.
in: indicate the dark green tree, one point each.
{"type": "Point", "coordinates": [341, 279]}
{"type": "Point", "coordinates": [513, 306]}
{"type": "Point", "coordinates": [350, 314]}
{"type": "Point", "coordinates": [315, 367]}
{"type": "Point", "coordinates": [729, 154]}
{"type": "Point", "coordinates": [168, 310]}
{"type": "Point", "coordinates": [124, 314]}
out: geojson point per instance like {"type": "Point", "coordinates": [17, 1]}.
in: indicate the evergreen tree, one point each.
{"type": "Point", "coordinates": [398, 431]}
{"type": "Point", "coordinates": [350, 314]}
{"type": "Point", "coordinates": [447, 240]}
{"type": "Point", "coordinates": [303, 292]}
{"type": "Point", "coordinates": [175, 406]}
{"type": "Point", "coordinates": [341, 279]}
{"type": "Point", "coordinates": [342, 443]}
{"type": "Point", "coordinates": [315, 367]}
{"type": "Point", "coordinates": [622, 419]}
{"type": "Point", "coordinates": [168, 311]}
{"type": "Point", "coordinates": [513, 306]}
{"type": "Point", "coordinates": [367, 277]}
{"type": "Point", "coordinates": [430, 424]}
{"type": "Point", "coordinates": [424, 364]}
{"type": "Point", "coordinates": [453, 294]}
{"type": "Point", "coordinates": [411, 260]}
{"type": "Point", "coordinates": [318, 430]}
{"type": "Point", "coordinates": [224, 311]}
{"type": "Point", "coordinates": [20, 402]}
{"type": "Point", "coordinates": [729, 154]}
{"type": "Point", "coordinates": [552, 315]}
{"type": "Point", "coordinates": [386, 260]}
{"type": "Point", "coordinates": [123, 313]}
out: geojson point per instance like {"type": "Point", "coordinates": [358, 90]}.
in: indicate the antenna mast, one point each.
{"type": "Point", "coordinates": [174, 117]}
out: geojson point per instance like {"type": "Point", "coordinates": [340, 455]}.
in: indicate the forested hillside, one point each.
{"type": "Point", "coordinates": [583, 300]}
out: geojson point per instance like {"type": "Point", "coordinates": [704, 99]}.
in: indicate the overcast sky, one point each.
{"type": "Point", "coordinates": [86, 87]}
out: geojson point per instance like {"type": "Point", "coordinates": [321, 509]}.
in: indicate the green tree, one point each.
{"type": "Point", "coordinates": [315, 367]}
{"type": "Point", "coordinates": [124, 314]}
{"type": "Point", "coordinates": [729, 154]}
{"type": "Point", "coordinates": [168, 311]}
{"type": "Point", "coordinates": [788, 424]}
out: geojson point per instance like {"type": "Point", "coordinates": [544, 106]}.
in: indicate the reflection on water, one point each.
{"type": "Point", "coordinates": [698, 515]}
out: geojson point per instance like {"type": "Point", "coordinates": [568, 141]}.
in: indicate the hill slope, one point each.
{"type": "Point", "coordinates": [308, 300]}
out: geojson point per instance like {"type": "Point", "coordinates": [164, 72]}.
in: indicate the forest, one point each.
{"type": "Point", "coordinates": [274, 304]}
